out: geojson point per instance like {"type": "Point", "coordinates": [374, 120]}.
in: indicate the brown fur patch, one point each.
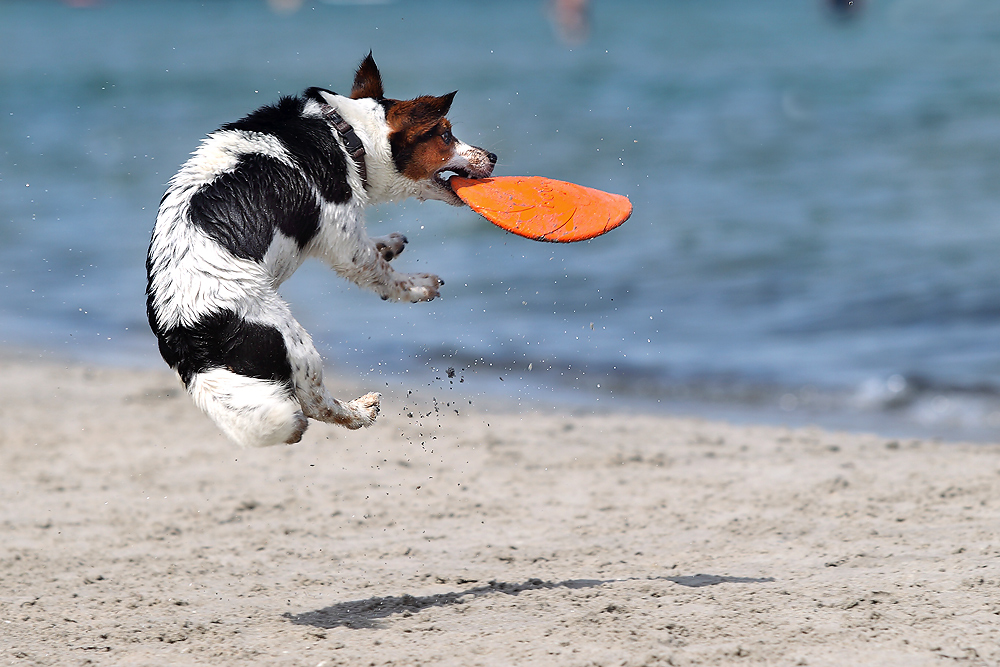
{"type": "Point", "coordinates": [367, 80]}
{"type": "Point", "coordinates": [420, 135]}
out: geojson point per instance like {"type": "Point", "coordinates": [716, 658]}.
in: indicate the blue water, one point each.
{"type": "Point", "coordinates": [816, 234]}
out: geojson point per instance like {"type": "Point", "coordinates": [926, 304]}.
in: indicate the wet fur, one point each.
{"type": "Point", "coordinates": [257, 198]}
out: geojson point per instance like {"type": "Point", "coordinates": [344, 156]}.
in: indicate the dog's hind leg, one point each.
{"type": "Point", "coordinates": [312, 394]}
{"type": "Point", "coordinates": [252, 412]}
{"type": "Point", "coordinates": [354, 414]}
{"type": "Point", "coordinates": [264, 379]}
{"type": "Point", "coordinates": [238, 372]}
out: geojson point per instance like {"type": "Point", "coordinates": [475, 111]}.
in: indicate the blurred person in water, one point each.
{"type": "Point", "coordinates": [571, 19]}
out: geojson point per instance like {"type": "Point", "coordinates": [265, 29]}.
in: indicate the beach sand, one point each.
{"type": "Point", "coordinates": [134, 534]}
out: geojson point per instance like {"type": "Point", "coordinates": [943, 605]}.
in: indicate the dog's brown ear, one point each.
{"type": "Point", "coordinates": [439, 106]}
{"type": "Point", "coordinates": [367, 80]}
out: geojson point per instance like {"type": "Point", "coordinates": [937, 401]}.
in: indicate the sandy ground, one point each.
{"type": "Point", "coordinates": [132, 533]}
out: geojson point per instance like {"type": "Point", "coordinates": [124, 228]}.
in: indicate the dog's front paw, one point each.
{"type": "Point", "coordinates": [365, 410]}
{"type": "Point", "coordinates": [390, 246]}
{"type": "Point", "coordinates": [420, 287]}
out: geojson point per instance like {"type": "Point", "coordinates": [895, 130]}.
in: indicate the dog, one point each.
{"type": "Point", "coordinates": [287, 182]}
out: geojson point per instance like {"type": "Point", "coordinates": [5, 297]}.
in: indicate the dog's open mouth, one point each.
{"type": "Point", "coordinates": [443, 177]}
{"type": "Point", "coordinates": [477, 166]}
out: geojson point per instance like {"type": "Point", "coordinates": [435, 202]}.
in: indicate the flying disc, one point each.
{"type": "Point", "coordinates": [543, 209]}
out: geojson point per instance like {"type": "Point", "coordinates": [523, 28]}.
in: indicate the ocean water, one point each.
{"type": "Point", "coordinates": [816, 234]}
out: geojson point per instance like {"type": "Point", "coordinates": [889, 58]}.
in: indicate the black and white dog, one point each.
{"type": "Point", "coordinates": [258, 197]}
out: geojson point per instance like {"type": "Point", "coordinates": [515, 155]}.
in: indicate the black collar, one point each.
{"type": "Point", "coordinates": [351, 140]}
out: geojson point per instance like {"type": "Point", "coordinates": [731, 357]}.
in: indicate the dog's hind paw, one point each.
{"type": "Point", "coordinates": [390, 246]}
{"type": "Point", "coordinates": [364, 409]}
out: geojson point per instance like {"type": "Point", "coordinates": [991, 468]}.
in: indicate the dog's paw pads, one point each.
{"type": "Point", "coordinates": [390, 246]}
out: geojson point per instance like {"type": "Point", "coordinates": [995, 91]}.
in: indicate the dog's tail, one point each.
{"type": "Point", "coordinates": [251, 411]}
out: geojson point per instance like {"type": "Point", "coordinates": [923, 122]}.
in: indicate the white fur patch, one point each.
{"type": "Point", "coordinates": [252, 412]}
{"type": "Point", "coordinates": [220, 153]}
{"type": "Point", "coordinates": [193, 276]}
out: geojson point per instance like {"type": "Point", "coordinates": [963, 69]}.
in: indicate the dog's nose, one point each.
{"type": "Point", "coordinates": [492, 157]}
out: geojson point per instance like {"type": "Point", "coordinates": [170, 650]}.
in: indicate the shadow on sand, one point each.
{"type": "Point", "coordinates": [367, 613]}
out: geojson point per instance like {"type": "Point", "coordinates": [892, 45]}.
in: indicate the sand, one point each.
{"type": "Point", "coordinates": [133, 533]}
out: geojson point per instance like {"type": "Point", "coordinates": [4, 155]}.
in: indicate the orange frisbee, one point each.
{"type": "Point", "coordinates": [541, 208]}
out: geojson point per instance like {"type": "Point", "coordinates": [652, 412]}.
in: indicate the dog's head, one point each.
{"type": "Point", "coordinates": [424, 150]}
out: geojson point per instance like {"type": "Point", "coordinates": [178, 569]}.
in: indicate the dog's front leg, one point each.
{"type": "Point", "coordinates": [390, 246]}
{"type": "Point", "coordinates": [408, 287]}
{"type": "Point", "coordinates": [365, 262]}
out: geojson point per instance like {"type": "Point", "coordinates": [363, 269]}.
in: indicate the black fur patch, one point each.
{"type": "Point", "coordinates": [311, 142]}
{"type": "Point", "coordinates": [225, 340]}
{"type": "Point", "coordinates": [241, 209]}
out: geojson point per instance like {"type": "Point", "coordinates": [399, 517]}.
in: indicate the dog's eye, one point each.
{"type": "Point", "coordinates": [446, 136]}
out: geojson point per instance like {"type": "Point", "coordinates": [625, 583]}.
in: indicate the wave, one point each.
{"type": "Point", "coordinates": [893, 405]}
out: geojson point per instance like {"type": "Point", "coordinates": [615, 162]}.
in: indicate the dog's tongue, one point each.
{"type": "Point", "coordinates": [541, 208]}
